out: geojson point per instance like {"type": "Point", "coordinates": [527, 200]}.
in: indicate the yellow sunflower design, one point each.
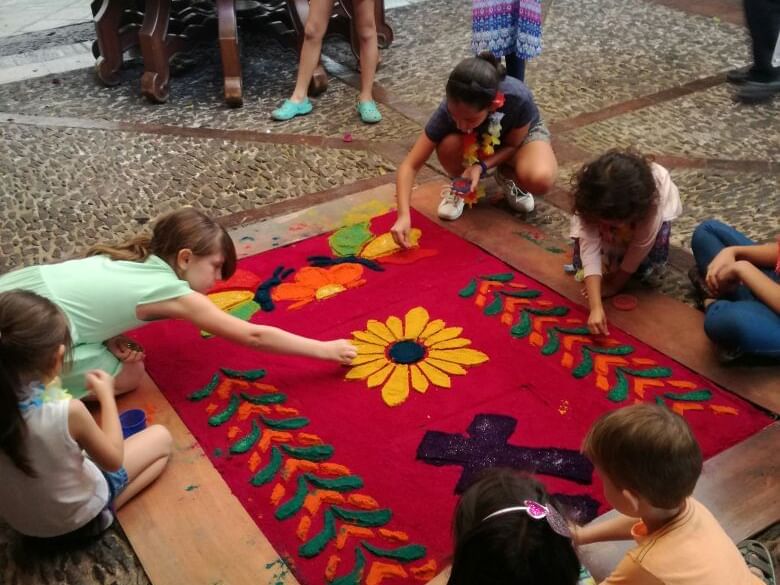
{"type": "Point", "coordinates": [415, 352]}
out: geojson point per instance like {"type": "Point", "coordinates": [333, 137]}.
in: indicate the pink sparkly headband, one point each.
{"type": "Point", "coordinates": [537, 511]}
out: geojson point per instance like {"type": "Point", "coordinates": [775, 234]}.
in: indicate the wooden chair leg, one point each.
{"type": "Point", "coordinates": [157, 73]}
{"type": "Point", "coordinates": [228, 49]}
{"type": "Point", "coordinates": [108, 17]}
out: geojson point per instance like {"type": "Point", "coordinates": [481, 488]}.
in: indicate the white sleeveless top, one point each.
{"type": "Point", "coordinates": [69, 489]}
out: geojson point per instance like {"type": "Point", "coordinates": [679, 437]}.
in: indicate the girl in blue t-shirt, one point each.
{"type": "Point", "coordinates": [487, 121]}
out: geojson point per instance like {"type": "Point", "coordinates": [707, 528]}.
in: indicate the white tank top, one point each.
{"type": "Point", "coordinates": [68, 491]}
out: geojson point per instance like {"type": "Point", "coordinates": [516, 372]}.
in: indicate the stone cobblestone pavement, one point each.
{"type": "Point", "coordinates": [80, 162]}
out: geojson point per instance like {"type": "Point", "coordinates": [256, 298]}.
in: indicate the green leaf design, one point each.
{"type": "Point", "coordinates": [469, 289]}
{"type": "Point", "coordinates": [551, 312]}
{"type": "Point", "coordinates": [523, 325]}
{"type": "Point", "coordinates": [502, 277]}
{"type": "Point", "coordinates": [337, 484]}
{"type": "Point", "coordinates": [521, 294]}
{"type": "Point", "coordinates": [553, 342]}
{"type": "Point", "coordinates": [494, 308]}
{"type": "Point", "coordinates": [224, 416]}
{"type": "Point", "coordinates": [657, 372]}
{"type": "Point", "coordinates": [699, 395]}
{"type": "Point", "coordinates": [267, 473]}
{"type": "Point", "coordinates": [315, 546]}
{"type": "Point", "coordinates": [245, 443]}
{"type": "Point", "coordinates": [291, 506]}
{"type": "Point", "coordinates": [313, 453]}
{"type": "Point", "coordinates": [617, 350]}
{"type": "Point", "coordinates": [250, 375]}
{"type": "Point", "coordinates": [619, 392]}
{"type": "Point", "coordinates": [349, 240]}
{"type": "Point", "coordinates": [354, 576]}
{"type": "Point", "coordinates": [286, 423]}
{"type": "Point", "coordinates": [405, 554]}
{"type": "Point", "coordinates": [586, 365]}
{"type": "Point", "coordinates": [367, 518]}
{"type": "Point", "coordinates": [207, 390]}
{"type": "Point", "coordinates": [273, 398]}
{"type": "Point", "coordinates": [574, 330]}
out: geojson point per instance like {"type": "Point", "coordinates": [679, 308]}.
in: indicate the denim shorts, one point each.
{"type": "Point", "coordinates": [538, 131]}
{"type": "Point", "coordinates": [117, 482]}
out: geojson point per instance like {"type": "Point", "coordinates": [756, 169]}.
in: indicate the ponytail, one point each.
{"type": "Point", "coordinates": [137, 249]}
{"type": "Point", "coordinates": [12, 426]}
{"type": "Point", "coordinates": [32, 330]}
{"type": "Point", "coordinates": [474, 81]}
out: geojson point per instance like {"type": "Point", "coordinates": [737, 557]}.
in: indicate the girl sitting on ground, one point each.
{"type": "Point", "coordinates": [624, 205]}
{"type": "Point", "coordinates": [738, 282]}
{"type": "Point", "coordinates": [49, 488]}
{"type": "Point", "coordinates": [165, 276]}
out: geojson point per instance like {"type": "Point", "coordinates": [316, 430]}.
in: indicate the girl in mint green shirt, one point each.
{"type": "Point", "coordinates": [116, 289]}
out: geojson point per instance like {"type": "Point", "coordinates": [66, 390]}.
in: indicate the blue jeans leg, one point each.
{"type": "Point", "coordinates": [744, 327]}
{"type": "Point", "coordinates": [710, 237]}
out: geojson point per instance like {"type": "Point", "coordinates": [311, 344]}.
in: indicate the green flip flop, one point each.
{"type": "Point", "coordinates": [289, 109]}
{"type": "Point", "coordinates": [369, 113]}
{"type": "Point", "coordinates": [757, 556]}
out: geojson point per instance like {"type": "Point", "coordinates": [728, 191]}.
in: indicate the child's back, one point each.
{"type": "Point", "coordinates": [68, 489]}
{"type": "Point", "coordinates": [693, 549]}
{"type": "Point", "coordinates": [649, 462]}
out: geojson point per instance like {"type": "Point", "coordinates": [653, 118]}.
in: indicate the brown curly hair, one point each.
{"type": "Point", "coordinates": [617, 186]}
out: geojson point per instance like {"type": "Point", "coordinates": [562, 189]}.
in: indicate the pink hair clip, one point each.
{"type": "Point", "coordinates": [538, 511]}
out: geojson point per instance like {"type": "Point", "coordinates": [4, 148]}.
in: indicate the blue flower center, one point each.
{"type": "Point", "coordinates": [406, 352]}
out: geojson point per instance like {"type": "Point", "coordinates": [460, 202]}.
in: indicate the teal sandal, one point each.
{"type": "Point", "coordinates": [289, 109]}
{"type": "Point", "coordinates": [369, 113]}
{"type": "Point", "coordinates": [757, 556]}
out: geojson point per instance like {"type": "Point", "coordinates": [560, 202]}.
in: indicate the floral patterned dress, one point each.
{"type": "Point", "coordinates": [506, 27]}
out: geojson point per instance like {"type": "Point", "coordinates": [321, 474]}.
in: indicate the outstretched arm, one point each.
{"type": "Point", "coordinates": [201, 312]}
{"type": "Point", "coordinates": [407, 172]}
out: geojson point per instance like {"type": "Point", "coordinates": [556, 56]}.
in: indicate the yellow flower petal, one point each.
{"type": "Point", "coordinates": [448, 367]}
{"type": "Point", "coordinates": [396, 390]}
{"type": "Point", "coordinates": [451, 343]}
{"type": "Point", "coordinates": [369, 357]}
{"type": "Point", "coordinates": [375, 380]}
{"type": "Point", "coordinates": [380, 330]}
{"type": "Point", "coordinates": [365, 370]}
{"type": "Point", "coordinates": [368, 337]}
{"type": "Point", "coordinates": [464, 356]}
{"type": "Point", "coordinates": [414, 322]}
{"type": "Point", "coordinates": [444, 335]}
{"type": "Point", "coordinates": [366, 348]}
{"type": "Point", "coordinates": [431, 328]}
{"type": "Point", "coordinates": [419, 381]}
{"type": "Point", "coordinates": [436, 376]}
{"type": "Point", "coordinates": [395, 327]}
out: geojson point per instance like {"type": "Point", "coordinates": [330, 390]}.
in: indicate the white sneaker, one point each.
{"type": "Point", "coordinates": [451, 206]}
{"type": "Point", "coordinates": [517, 199]}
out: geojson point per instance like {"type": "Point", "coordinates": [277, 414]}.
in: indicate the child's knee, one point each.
{"type": "Point", "coordinates": [702, 232]}
{"type": "Point", "coordinates": [537, 180]}
{"type": "Point", "coordinates": [367, 31]}
{"type": "Point", "coordinates": [129, 377]}
{"type": "Point", "coordinates": [314, 31]}
{"type": "Point", "coordinates": [724, 324]}
{"type": "Point", "coordinates": [162, 439]}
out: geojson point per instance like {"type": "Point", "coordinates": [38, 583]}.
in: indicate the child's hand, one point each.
{"type": "Point", "coordinates": [728, 277]}
{"type": "Point", "coordinates": [400, 231]}
{"type": "Point", "coordinates": [473, 174]}
{"type": "Point", "coordinates": [597, 321]}
{"type": "Point", "coordinates": [340, 350]}
{"type": "Point", "coordinates": [100, 384]}
{"type": "Point", "coordinates": [724, 258]}
{"type": "Point", "coordinates": [125, 349]}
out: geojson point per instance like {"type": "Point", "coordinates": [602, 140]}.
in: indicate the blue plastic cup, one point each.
{"type": "Point", "coordinates": [133, 421]}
